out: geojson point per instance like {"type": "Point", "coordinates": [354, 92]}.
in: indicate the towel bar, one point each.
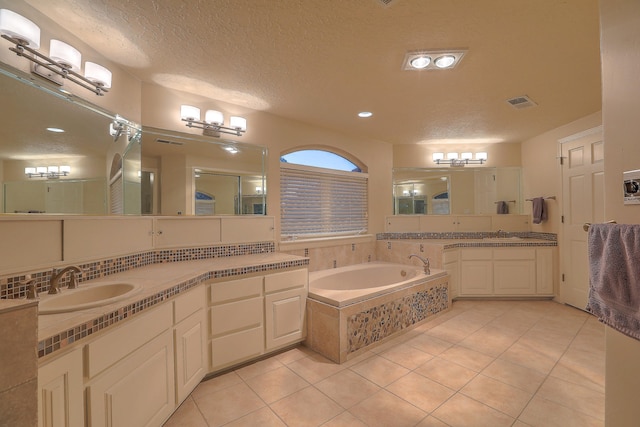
{"type": "Point", "coordinates": [586, 225]}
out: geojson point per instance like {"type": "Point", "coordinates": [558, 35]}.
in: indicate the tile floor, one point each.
{"type": "Point", "coordinates": [483, 363]}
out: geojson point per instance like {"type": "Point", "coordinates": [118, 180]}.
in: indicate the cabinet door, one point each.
{"type": "Point", "coordinates": [284, 317]}
{"type": "Point", "coordinates": [233, 348]}
{"type": "Point", "coordinates": [60, 392]}
{"type": "Point", "coordinates": [516, 277]}
{"type": "Point", "coordinates": [191, 353]}
{"type": "Point", "coordinates": [544, 271]}
{"type": "Point", "coordinates": [476, 277]}
{"type": "Point", "coordinates": [137, 391]}
{"type": "Point", "coordinates": [452, 269]}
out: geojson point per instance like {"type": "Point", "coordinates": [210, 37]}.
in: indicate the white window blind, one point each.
{"type": "Point", "coordinates": [320, 202]}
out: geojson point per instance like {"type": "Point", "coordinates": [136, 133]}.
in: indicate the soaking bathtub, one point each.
{"type": "Point", "coordinates": [350, 309]}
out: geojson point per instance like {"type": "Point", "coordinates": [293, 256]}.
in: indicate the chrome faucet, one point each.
{"type": "Point", "coordinates": [57, 275]}
{"type": "Point", "coordinates": [425, 261]}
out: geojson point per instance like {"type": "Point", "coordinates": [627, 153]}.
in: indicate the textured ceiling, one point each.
{"type": "Point", "coordinates": [323, 61]}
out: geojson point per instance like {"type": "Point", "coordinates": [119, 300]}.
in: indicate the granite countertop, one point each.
{"type": "Point", "coordinates": [155, 280]}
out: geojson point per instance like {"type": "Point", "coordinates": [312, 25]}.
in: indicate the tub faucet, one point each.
{"type": "Point", "coordinates": [57, 275]}
{"type": "Point", "coordinates": [427, 269]}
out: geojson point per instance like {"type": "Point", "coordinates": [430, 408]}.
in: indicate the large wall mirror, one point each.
{"type": "Point", "coordinates": [458, 191]}
{"type": "Point", "coordinates": [185, 174]}
{"type": "Point", "coordinates": [61, 155]}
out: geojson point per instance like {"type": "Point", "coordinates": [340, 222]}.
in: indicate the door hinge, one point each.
{"type": "Point", "coordinates": [562, 219]}
{"type": "Point", "coordinates": [563, 277]}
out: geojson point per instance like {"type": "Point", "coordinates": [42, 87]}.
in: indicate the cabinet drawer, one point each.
{"type": "Point", "coordinates": [286, 280]}
{"type": "Point", "coordinates": [115, 345]}
{"type": "Point", "coordinates": [236, 315]}
{"type": "Point", "coordinates": [237, 347]}
{"type": "Point", "coordinates": [470, 254]}
{"type": "Point", "coordinates": [235, 289]}
{"type": "Point", "coordinates": [188, 303]}
{"type": "Point", "coordinates": [514, 253]}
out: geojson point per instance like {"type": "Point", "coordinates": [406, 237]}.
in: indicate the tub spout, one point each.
{"type": "Point", "coordinates": [425, 261]}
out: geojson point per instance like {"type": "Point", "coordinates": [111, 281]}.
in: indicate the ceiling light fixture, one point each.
{"type": "Point", "coordinates": [460, 160]}
{"type": "Point", "coordinates": [212, 125]}
{"type": "Point", "coordinates": [432, 59]}
{"type": "Point", "coordinates": [365, 114]}
{"type": "Point", "coordinates": [64, 61]}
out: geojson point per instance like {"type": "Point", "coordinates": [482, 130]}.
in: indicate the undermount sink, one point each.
{"type": "Point", "coordinates": [86, 297]}
{"type": "Point", "coordinates": [503, 239]}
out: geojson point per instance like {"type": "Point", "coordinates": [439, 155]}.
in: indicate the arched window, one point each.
{"type": "Point", "coordinates": [321, 194]}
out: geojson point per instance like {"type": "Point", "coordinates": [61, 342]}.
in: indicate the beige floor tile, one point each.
{"type": "Point", "coordinates": [276, 384]}
{"type": "Point", "coordinates": [263, 417]}
{"type": "Point", "coordinates": [498, 395]}
{"type": "Point", "coordinates": [307, 407]}
{"type": "Point", "coordinates": [228, 405]}
{"type": "Point", "coordinates": [187, 415]}
{"type": "Point", "coordinates": [429, 344]}
{"type": "Point", "coordinates": [385, 409]}
{"type": "Point", "coordinates": [518, 376]}
{"type": "Point", "coordinates": [359, 358]}
{"type": "Point", "coordinates": [346, 419]}
{"type": "Point", "coordinates": [293, 354]}
{"type": "Point", "coordinates": [528, 354]}
{"type": "Point", "coordinates": [315, 368]}
{"type": "Point", "coordinates": [573, 396]}
{"type": "Point", "coordinates": [544, 413]}
{"type": "Point", "coordinates": [431, 422]}
{"type": "Point", "coordinates": [466, 357]}
{"type": "Point", "coordinates": [490, 340]}
{"type": "Point", "coordinates": [347, 388]}
{"type": "Point", "coordinates": [420, 391]}
{"type": "Point", "coordinates": [380, 371]}
{"type": "Point", "coordinates": [582, 368]}
{"type": "Point", "coordinates": [462, 411]}
{"type": "Point", "coordinates": [407, 356]}
{"type": "Point", "coordinates": [216, 384]}
{"type": "Point", "coordinates": [446, 373]}
{"type": "Point", "coordinates": [446, 332]}
{"type": "Point", "coordinates": [519, 423]}
{"type": "Point", "coordinates": [258, 368]}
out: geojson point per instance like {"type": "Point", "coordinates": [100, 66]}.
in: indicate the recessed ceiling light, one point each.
{"type": "Point", "coordinates": [420, 62]}
{"type": "Point", "coordinates": [365, 114]}
{"type": "Point", "coordinates": [445, 61]}
{"type": "Point", "coordinates": [56, 130]}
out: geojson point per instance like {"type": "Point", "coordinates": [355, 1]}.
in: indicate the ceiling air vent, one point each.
{"type": "Point", "coordinates": [166, 141]}
{"type": "Point", "coordinates": [520, 102]}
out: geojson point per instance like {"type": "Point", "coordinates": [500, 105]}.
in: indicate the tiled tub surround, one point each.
{"type": "Point", "coordinates": [343, 332]}
{"type": "Point", "coordinates": [335, 255]}
{"type": "Point", "coordinates": [159, 283]}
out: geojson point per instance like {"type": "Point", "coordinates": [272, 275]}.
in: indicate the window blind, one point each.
{"type": "Point", "coordinates": [320, 202]}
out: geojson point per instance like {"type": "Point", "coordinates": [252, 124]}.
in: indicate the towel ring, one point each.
{"type": "Point", "coordinates": [586, 225]}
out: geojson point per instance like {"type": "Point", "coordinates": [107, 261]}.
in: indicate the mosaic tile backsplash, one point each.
{"type": "Point", "coordinates": [15, 286]}
{"type": "Point", "coordinates": [464, 235]}
{"type": "Point", "coordinates": [379, 322]}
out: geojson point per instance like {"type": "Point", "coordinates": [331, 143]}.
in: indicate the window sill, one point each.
{"type": "Point", "coordinates": [323, 242]}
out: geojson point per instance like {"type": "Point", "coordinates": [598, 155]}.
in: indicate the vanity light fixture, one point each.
{"type": "Point", "coordinates": [50, 172]}
{"type": "Point", "coordinates": [432, 59]}
{"type": "Point", "coordinates": [212, 125]}
{"type": "Point", "coordinates": [64, 61]}
{"type": "Point", "coordinates": [462, 159]}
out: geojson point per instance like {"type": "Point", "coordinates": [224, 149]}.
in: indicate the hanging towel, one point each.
{"type": "Point", "coordinates": [503, 207]}
{"type": "Point", "coordinates": [614, 279]}
{"type": "Point", "coordinates": [539, 210]}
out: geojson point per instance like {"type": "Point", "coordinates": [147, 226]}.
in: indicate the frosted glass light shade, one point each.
{"type": "Point", "coordinates": [65, 169]}
{"type": "Point", "coordinates": [214, 117]}
{"type": "Point", "coordinates": [239, 123]}
{"type": "Point", "coordinates": [65, 55]}
{"type": "Point", "coordinates": [466, 156]}
{"type": "Point", "coordinates": [29, 171]}
{"type": "Point", "coordinates": [19, 27]}
{"type": "Point", "coordinates": [41, 169]}
{"type": "Point", "coordinates": [452, 156]}
{"type": "Point", "coordinates": [52, 169]}
{"type": "Point", "coordinates": [188, 112]}
{"type": "Point", "coordinates": [481, 156]}
{"type": "Point", "coordinates": [421, 62]}
{"type": "Point", "coordinates": [97, 74]}
{"type": "Point", "coordinates": [437, 156]}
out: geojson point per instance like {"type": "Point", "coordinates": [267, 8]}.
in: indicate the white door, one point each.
{"type": "Point", "coordinates": [583, 202]}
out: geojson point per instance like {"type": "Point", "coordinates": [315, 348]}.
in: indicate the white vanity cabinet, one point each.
{"type": "Point", "coordinates": [506, 271]}
{"type": "Point", "coordinates": [285, 304]}
{"type": "Point", "coordinates": [61, 391]}
{"type": "Point", "coordinates": [130, 372]}
{"type": "Point", "coordinates": [252, 316]}
{"type": "Point", "coordinates": [236, 321]}
{"type": "Point", "coordinates": [451, 264]}
{"type": "Point", "coordinates": [190, 339]}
